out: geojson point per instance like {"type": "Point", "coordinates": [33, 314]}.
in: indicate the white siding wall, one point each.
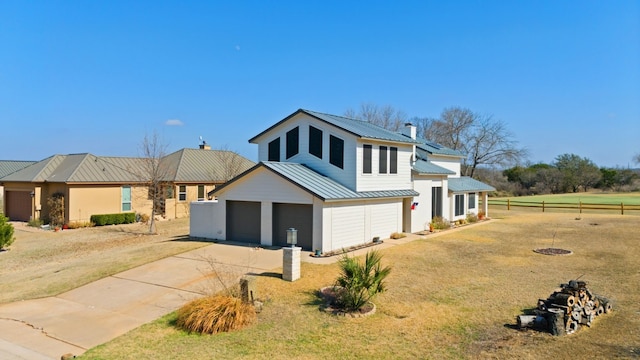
{"type": "Point", "coordinates": [375, 180]}
{"type": "Point", "coordinates": [354, 223]}
{"type": "Point", "coordinates": [421, 215]}
{"type": "Point", "coordinates": [263, 185]}
{"type": "Point", "coordinates": [207, 219]}
{"type": "Point", "coordinates": [449, 163]}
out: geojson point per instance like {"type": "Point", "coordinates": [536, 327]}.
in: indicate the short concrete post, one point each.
{"type": "Point", "coordinates": [291, 263]}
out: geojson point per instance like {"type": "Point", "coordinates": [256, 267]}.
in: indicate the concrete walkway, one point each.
{"type": "Point", "coordinates": [96, 313]}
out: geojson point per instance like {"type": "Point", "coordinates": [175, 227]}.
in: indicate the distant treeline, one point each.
{"type": "Point", "coordinates": [568, 173]}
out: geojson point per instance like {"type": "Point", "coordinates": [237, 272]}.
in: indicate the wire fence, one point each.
{"type": "Point", "coordinates": [580, 206]}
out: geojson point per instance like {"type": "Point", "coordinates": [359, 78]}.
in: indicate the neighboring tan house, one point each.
{"type": "Point", "coordinates": [104, 185]}
{"type": "Point", "coordinates": [7, 167]}
{"type": "Point", "coordinates": [340, 182]}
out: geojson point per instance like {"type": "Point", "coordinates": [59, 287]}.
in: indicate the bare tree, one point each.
{"type": "Point", "coordinates": [484, 140]}
{"type": "Point", "coordinates": [154, 173]}
{"type": "Point", "coordinates": [385, 116]}
{"type": "Point", "coordinates": [636, 158]}
{"type": "Point", "coordinates": [233, 164]}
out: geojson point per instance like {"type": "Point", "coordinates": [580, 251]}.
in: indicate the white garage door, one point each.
{"type": "Point", "coordinates": [347, 226]}
{"type": "Point", "coordinates": [384, 220]}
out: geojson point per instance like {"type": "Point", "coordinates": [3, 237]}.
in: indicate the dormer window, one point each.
{"type": "Point", "coordinates": [315, 142]}
{"type": "Point", "coordinates": [336, 151]}
{"type": "Point", "coordinates": [274, 150]}
{"type": "Point", "coordinates": [292, 142]}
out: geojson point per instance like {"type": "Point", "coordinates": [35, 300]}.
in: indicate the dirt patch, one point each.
{"type": "Point", "coordinates": [553, 251]}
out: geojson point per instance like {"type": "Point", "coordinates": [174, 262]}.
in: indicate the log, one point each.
{"type": "Point", "coordinates": [526, 321]}
{"type": "Point", "coordinates": [600, 310]}
{"type": "Point", "coordinates": [542, 305]}
{"type": "Point", "coordinates": [563, 299]}
{"type": "Point", "coordinates": [555, 321]}
{"type": "Point", "coordinates": [576, 313]}
{"type": "Point", "coordinates": [572, 326]}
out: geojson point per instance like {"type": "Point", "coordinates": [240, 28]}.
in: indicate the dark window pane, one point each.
{"type": "Point", "coordinates": [200, 191]}
{"type": "Point", "coordinates": [292, 142]}
{"type": "Point", "coordinates": [383, 160]}
{"type": "Point", "coordinates": [472, 201]}
{"type": "Point", "coordinates": [436, 201]}
{"type": "Point", "coordinates": [393, 160]}
{"type": "Point", "coordinates": [459, 205]}
{"type": "Point", "coordinates": [366, 159]}
{"type": "Point", "coordinates": [315, 142]}
{"type": "Point", "coordinates": [336, 151]}
{"type": "Point", "coordinates": [274, 150]}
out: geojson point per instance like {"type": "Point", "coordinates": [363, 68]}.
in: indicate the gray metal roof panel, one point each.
{"type": "Point", "coordinates": [466, 184]}
{"type": "Point", "coordinates": [201, 165]}
{"type": "Point", "coordinates": [427, 167]}
{"type": "Point", "coordinates": [434, 148]}
{"type": "Point", "coordinates": [10, 166]}
{"type": "Point", "coordinates": [327, 188]}
{"type": "Point", "coordinates": [37, 172]}
{"type": "Point", "coordinates": [358, 128]}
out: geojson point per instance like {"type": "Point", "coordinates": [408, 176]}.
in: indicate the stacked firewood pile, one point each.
{"type": "Point", "coordinates": [564, 311]}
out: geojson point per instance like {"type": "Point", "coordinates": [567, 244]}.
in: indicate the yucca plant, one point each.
{"type": "Point", "coordinates": [360, 282]}
{"type": "Point", "coordinates": [214, 314]}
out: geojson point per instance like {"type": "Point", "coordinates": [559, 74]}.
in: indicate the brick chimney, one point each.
{"type": "Point", "coordinates": [205, 146]}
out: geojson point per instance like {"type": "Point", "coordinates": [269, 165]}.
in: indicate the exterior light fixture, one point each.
{"type": "Point", "coordinates": [292, 237]}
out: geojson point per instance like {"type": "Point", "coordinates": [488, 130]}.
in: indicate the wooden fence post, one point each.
{"type": "Point", "coordinates": [621, 208]}
{"type": "Point", "coordinates": [580, 207]}
{"type": "Point", "coordinates": [508, 204]}
{"type": "Point", "coordinates": [542, 205]}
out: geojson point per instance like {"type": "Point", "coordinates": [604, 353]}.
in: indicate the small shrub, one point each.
{"type": "Point", "coordinates": [397, 235]}
{"type": "Point", "coordinates": [214, 314]}
{"type": "Point", "coordinates": [80, 224]}
{"type": "Point", "coordinates": [35, 223]}
{"type": "Point", "coordinates": [113, 219]}
{"type": "Point", "coordinates": [481, 215]}
{"type": "Point", "coordinates": [56, 209]}
{"type": "Point", "coordinates": [440, 223]}
{"type": "Point", "coordinates": [471, 218]}
{"type": "Point", "coordinates": [143, 218]}
{"type": "Point", "coordinates": [6, 232]}
{"type": "Point", "coordinates": [360, 281]}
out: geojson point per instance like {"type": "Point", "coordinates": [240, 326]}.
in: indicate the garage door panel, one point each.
{"type": "Point", "coordinates": [347, 226]}
{"type": "Point", "coordinates": [384, 220]}
{"type": "Point", "coordinates": [18, 205]}
{"type": "Point", "coordinates": [243, 221]}
{"type": "Point", "coordinates": [296, 216]}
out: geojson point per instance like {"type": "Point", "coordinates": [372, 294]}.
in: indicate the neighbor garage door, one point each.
{"type": "Point", "coordinates": [18, 205]}
{"type": "Point", "coordinates": [296, 216]}
{"type": "Point", "coordinates": [243, 221]}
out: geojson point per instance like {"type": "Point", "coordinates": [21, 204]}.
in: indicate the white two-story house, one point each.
{"type": "Point", "coordinates": [340, 182]}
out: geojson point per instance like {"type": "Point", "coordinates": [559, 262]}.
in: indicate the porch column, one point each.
{"type": "Point", "coordinates": [485, 203]}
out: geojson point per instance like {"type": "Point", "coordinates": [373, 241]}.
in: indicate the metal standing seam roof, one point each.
{"type": "Point", "coordinates": [200, 165]}
{"type": "Point", "coordinates": [429, 168]}
{"type": "Point", "coordinates": [358, 128]}
{"type": "Point", "coordinates": [10, 166]}
{"type": "Point", "coordinates": [466, 184]}
{"type": "Point", "coordinates": [319, 185]}
{"type": "Point", "coordinates": [437, 149]}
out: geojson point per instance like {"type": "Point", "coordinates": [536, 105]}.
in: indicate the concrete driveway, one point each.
{"type": "Point", "coordinates": [98, 312]}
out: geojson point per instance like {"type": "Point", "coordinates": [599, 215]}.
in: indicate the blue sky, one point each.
{"type": "Point", "coordinates": [96, 76]}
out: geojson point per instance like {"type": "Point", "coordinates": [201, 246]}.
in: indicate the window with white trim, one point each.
{"type": "Point", "coordinates": [459, 200]}
{"type": "Point", "coordinates": [126, 198]}
{"type": "Point", "coordinates": [472, 200]}
{"type": "Point", "coordinates": [182, 193]}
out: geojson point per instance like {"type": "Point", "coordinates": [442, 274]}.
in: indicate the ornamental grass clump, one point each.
{"type": "Point", "coordinates": [214, 314]}
{"type": "Point", "coordinates": [360, 282]}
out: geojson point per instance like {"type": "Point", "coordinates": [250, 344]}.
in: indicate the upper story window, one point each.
{"type": "Point", "coordinates": [336, 151]}
{"type": "Point", "coordinates": [182, 193]}
{"type": "Point", "coordinates": [315, 142]}
{"type": "Point", "coordinates": [366, 159]}
{"type": "Point", "coordinates": [382, 168]}
{"type": "Point", "coordinates": [292, 142]}
{"type": "Point", "coordinates": [274, 150]}
{"type": "Point", "coordinates": [393, 160]}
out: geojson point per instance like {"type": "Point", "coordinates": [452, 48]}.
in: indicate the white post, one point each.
{"type": "Point", "coordinates": [291, 263]}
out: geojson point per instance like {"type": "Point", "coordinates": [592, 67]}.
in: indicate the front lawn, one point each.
{"type": "Point", "coordinates": [449, 297]}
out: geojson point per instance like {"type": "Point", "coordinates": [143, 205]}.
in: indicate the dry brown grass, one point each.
{"type": "Point", "coordinates": [44, 263]}
{"type": "Point", "coordinates": [214, 314]}
{"type": "Point", "coordinates": [451, 296]}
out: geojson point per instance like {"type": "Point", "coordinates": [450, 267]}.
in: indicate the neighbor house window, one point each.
{"type": "Point", "coordinates": [292, 142]}
{"type": "Point", "coordinates": [366, 159]}
{"type": "Point", "coordinates": [274, 150]}
{"type": "Point", "coordinates": [315, 142]}
{"type": "Point", "coordinates": [336, 151]}
{"type": "Point", "coordinates": [472, 201]}
{"type": "Point", "coordinates": [382, 168]}
{"type": "Point", "coordinates": [170, 191]}
{"type": "Point", "coordinates": [200, 192]}
{"type": "Point", "coordinates": [182, 192]}
{"type": "Point", "coordinates": [393, 160]}
{"type": "Point", "coordinates": [459, 205]}
{"type": "Point", "coordinates": [126, 198]}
